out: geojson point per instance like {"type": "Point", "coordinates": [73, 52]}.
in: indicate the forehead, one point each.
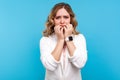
{"type": "Point", "coordinates": [61, 12]}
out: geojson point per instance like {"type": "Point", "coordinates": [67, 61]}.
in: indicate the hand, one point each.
{"type": "Point", "coordinates": [59, 32]}
{"type": "Point", "coordinates": [68, 30]}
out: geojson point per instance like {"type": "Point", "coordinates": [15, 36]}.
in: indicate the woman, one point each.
{"type": "Point", "coordinates": [63, 49]}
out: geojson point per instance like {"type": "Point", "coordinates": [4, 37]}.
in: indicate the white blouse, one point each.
{"type": "Point", "coordinates": [68, 68]}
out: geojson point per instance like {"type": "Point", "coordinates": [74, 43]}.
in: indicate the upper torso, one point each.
{"type": "Point", "coordinates": [68, 67]}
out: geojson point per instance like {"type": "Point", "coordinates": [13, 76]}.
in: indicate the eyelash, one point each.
{"type": "Point", "coordinates": [66, 17]}
{"type": "Point", "coordinates": [57, 17]}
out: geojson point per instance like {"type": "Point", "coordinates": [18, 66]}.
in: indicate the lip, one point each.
{"type": "Point", "coordinates": [62, 25]}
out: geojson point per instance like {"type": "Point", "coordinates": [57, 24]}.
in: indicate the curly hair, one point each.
{"type": "Point", "coordinates": [50, 20]}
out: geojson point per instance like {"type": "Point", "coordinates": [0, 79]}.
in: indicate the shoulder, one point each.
{"type": "Point", "coordinates": [79, 39]}
{"type": "Point", "coordinates": [47, 39]}
{"type": "Point", "coordinates": [79, 36]}
{"type": "Point", "coordinates": [44, 39]}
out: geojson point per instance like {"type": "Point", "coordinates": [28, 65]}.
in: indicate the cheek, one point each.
{"type": "Point", "coordinates": [56, 22]}
{"type": "Point", "coordinates": [67, 21]}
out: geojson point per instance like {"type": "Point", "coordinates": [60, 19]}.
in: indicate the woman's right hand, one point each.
{"type": "Point", "coordinates": [59, 32]}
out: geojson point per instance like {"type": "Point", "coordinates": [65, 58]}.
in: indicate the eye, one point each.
{"type": "Point", "coordinates": [66, 17]}
{"type": "Point", "coordinates": [57, 17]}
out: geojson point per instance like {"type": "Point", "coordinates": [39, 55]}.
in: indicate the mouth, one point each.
{"type": "Point", "coordinates": [62, 25]}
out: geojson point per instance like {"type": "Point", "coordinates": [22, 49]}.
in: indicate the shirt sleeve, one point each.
{"type": "Point", "coordinates": [47, 59]}
{"type": "Point", "coordinates": [79, 57]}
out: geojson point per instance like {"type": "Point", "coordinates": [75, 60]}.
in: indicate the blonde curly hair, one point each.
{"type": "Point", "coordinates": [50, 20]}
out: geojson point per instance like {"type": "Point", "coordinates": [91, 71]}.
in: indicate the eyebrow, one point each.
{"type": "Point", "coordinates": [63, 16]}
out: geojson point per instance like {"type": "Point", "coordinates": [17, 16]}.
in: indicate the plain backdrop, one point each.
{"type": "Point", "coordinates": [21, 26]}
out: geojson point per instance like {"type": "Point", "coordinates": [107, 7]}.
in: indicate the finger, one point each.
{"type": "Point", "coordinates": [56, 27]}
{"type": "Point", "coordinates": [70, 26]}
{"type": "Point", "coordinates": [61, 30]}
{"type": "Point", "coordinates": [55, 30]}
{"type": "Point", "coordinates": [65, 28]}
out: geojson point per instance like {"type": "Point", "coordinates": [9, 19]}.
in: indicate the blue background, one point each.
{"type": "Point", "coordinates": [21, 26]}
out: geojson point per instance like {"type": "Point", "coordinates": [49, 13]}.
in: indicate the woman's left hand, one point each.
{"type": "Point", "coordinates": [68, 30]}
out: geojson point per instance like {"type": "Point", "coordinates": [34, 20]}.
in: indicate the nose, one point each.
{"type": "Point", "coordinates": [62, 20]}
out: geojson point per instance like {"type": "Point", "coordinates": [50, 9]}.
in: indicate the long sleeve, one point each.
{"type": "Point", "coordinates": [47, 59]}
{"type": "Point", "coordinates": [80, 54]}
